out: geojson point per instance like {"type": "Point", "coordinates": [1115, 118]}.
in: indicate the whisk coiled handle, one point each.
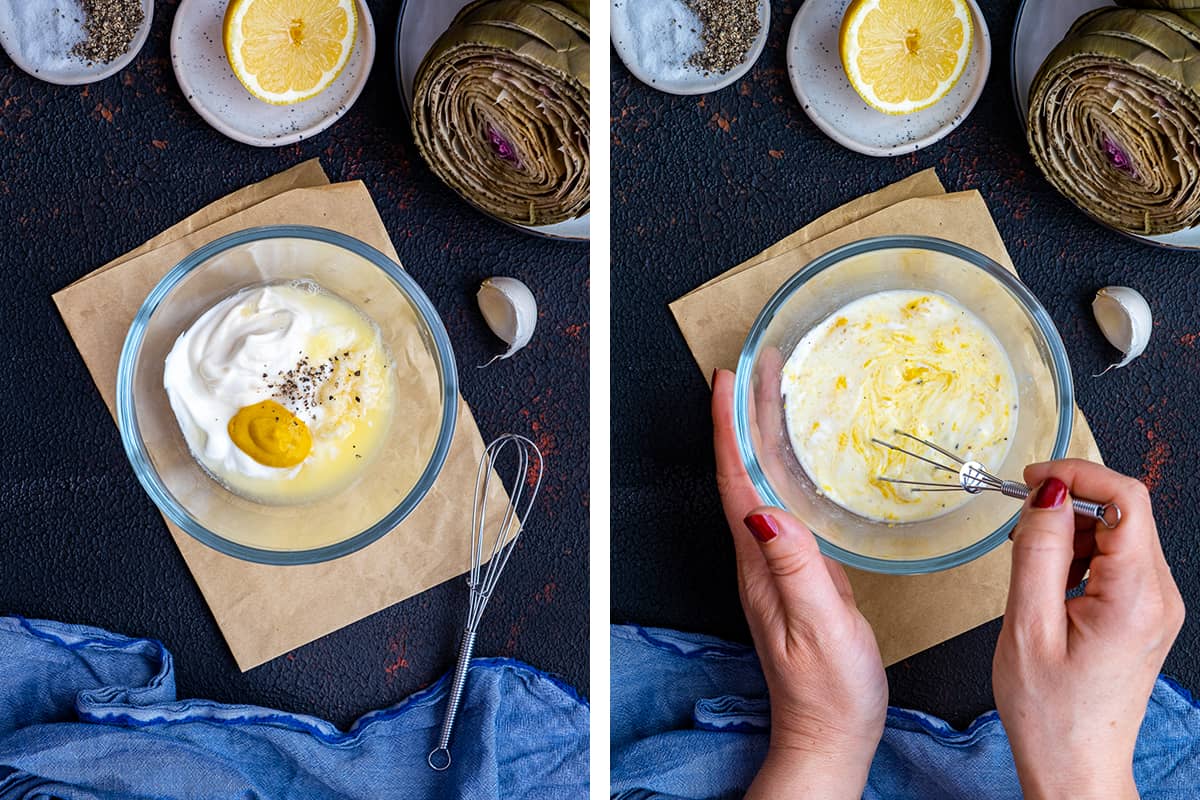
{"type": "Point", "coordinates": [439, 757]}
{"type": "Point", "coordinates": [481, 582]}
{"type": "Point", "coordinates": [1107, 514]}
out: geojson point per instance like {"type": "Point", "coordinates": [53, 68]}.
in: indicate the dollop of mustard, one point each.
{"type": "Point", "coordinates": [270, 434]}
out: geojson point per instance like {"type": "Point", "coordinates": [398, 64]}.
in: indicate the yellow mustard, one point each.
{"type": "Point", "coordinates": [270, 434]}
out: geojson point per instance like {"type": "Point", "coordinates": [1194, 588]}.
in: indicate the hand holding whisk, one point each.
{"type": "Point", "coordinates": [974, 478]}
{"type": "Point", "coordinates": [482, 581]}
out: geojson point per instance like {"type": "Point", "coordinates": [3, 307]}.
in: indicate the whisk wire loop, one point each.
{"type": "Point", "coordinates": [929, 461]}
{"type": "Point", "coordinates": [973, 478]}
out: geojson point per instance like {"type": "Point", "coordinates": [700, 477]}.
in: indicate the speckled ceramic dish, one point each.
{"type": "Point", "coordinates": [208, 83]}
{"type": "Point", "coordinates": [699, 83]}
{"type": "Point", "coordinates": [1039, 28]}
{"type": "Point", "coordinates": [75, 72]}
{"type": "Point", "coordinates": [819, 80]}
{"type": "Point", "coordinates": [421, 23]}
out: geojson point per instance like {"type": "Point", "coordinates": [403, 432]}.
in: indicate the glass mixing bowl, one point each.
{"type": "Point", "coordinates": [399, 475]}
{"type": "Point", "coordinates": [998, 298]}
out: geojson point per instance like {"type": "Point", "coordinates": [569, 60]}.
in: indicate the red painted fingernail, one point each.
{"type": "Point", "coordinates": [763, 526]}
{"type": "Point", "coordinates": [1050, 494]}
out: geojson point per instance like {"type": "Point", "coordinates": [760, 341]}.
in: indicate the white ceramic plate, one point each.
{"type": "Point", "coordinates": [819, 80]}
{"type": "Point", "coordinates": [421, 23]}
{"type": "Point", "coordinates": [698, 83]}
{"type": "Point", "coordinates": [72, 72]}
{"type": "Point", "coordinates": [1040, 27]}
{"type": "Point", "coordinates": [208, 83]}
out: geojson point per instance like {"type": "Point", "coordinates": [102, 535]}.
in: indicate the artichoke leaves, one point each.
{"type": "Point", "coordinates": [500, 108]}
{"type": "Point", "coordinates": [1114, 115]}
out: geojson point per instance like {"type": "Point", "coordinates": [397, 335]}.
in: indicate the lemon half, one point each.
{"type": "Point", "coordinates": [286, 51]}
{"type": "Point", "coordinates": [905, 55]}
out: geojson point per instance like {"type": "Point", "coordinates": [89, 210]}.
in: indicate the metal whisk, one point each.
{"type": "Point", "coordinates": [482, 580]}
{"type": "Point", "coordinates": [974, 478]}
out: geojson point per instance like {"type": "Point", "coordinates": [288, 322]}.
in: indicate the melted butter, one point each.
{"type": "Point", "coordinates": [897, 360]}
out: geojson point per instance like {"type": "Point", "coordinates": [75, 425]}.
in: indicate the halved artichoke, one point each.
{"type": "Point", "coordinates": [500, 108]}
{"type": "Point", "coordinates": [1114, 115]}
{"type": "Point", "coordinates": [1171, 5]}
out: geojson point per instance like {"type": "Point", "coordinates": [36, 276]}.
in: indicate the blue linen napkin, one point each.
{"type": "Point", "coordinates": [85, 713]}
{"type": "Point", "coordinates": [690, 721]}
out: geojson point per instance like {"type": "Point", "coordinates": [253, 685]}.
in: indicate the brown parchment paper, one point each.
{"type": "Point", "coordinates": [908, 613]}
{"type": "Point", "coordinates": [264, 611]}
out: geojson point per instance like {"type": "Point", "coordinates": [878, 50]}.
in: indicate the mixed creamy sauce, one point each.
{"type": "Point", "coordinates": [283, 392]}
{"type": "Point", "coordinates": [892, 361]}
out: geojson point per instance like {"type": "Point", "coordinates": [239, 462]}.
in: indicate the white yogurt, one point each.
{"type": "Point", "coordinates": [309, 351]}
{"type": "Point", "coordinates": [897, 360]}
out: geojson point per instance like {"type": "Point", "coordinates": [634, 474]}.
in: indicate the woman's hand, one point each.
{"type": "Point", "coordinates": [825, 677]}
{"type": "Point", "coordinates": [1072, 677]}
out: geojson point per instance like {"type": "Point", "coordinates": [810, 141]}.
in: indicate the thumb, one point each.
{"type": "Point", "coordinates": [1043, 547]}
{"type": "Point", "coordinates": [795, 564]}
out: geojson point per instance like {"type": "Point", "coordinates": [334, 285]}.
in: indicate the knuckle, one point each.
{"type": "Point", "coordinates": [1033, 536]}
{"type": "Point", "coordinates": [756, 600]}
{"type": "Point", "coordinates": [789, 564]}
{"type": "Point", "coordinates": [1178, 612]}
{"type": "Point", "coordinates": [725, 482]}
{"type": "Point", "coordinates": [1136, 490]}
{"type": "Point", "coordinates": [1032, 635]}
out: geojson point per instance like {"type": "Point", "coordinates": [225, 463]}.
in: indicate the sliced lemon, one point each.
{"type": "Point", "coordinates": [286, 51]}
{"type": "Point", "coordinates": [905, 55]}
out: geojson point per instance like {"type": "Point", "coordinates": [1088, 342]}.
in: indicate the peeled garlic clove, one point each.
{"type": "Point", "coordinates": [510, 311]}
{"type": "Point", "coordinates": [1125, 320]}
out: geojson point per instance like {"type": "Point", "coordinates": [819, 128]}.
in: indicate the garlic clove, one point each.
{"type": "Point", "coordinates": [510, 310]}
{"type": "Point", "coordinates": [1125, 320]}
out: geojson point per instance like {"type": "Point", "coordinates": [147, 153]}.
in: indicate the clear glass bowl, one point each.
{"type": "Point", "coordinates": [399, 475]}
{"type": "Point", "coordinates": [995, 296]}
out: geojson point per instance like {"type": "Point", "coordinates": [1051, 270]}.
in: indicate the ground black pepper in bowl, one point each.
{"type": "Point", "coordinates": [111, 26]}
{"type": "Point", "coordinates": [729, 30]}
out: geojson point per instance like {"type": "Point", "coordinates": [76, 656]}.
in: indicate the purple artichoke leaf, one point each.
{"type": "Point", "coordinates": [502, 147]}
{"type": "Point", "coordinates": [1118, 158]}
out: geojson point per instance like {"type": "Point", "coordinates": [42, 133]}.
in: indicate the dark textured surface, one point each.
{"type": "Point", "coordinates": [87, 173]}
{"type": "Point", "coordinates": [703, 183]}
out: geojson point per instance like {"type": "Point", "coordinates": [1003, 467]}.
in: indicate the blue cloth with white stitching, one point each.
{"type": "Point", "coordinates": [90, 715]}
{"type": "Point", "coordinates": [690, 720]}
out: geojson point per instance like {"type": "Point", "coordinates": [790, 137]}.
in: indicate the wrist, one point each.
{"type": "Point", "coordinates": [1047, 782]}
{"type": "Point", "coordinates": [830, 773]}
{"type": "Point", "coordinates": [808, 738]}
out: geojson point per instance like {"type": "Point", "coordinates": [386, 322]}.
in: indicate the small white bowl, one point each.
{"type": "Point", "coordinates": [84, 72]}
{"type": "Point", "coordinates": [700, 83]}
{"type": "Point", "coordinates": [819, 80]}
{"type": "Point", "coordinates": [203, 71]}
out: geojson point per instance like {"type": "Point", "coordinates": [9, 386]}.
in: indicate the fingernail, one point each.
{"type": "Point", "coordinates": [716, 372]}
{"type": "Point", "coordinates": [1050, 494]}
{"type": "Point", "coordinates": [763, 526]}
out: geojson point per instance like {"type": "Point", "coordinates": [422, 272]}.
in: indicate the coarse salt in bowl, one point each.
{"type": "Point", "coordinates": [39, 35]}
{"type": "Point", "coordinates": [656, 38]}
